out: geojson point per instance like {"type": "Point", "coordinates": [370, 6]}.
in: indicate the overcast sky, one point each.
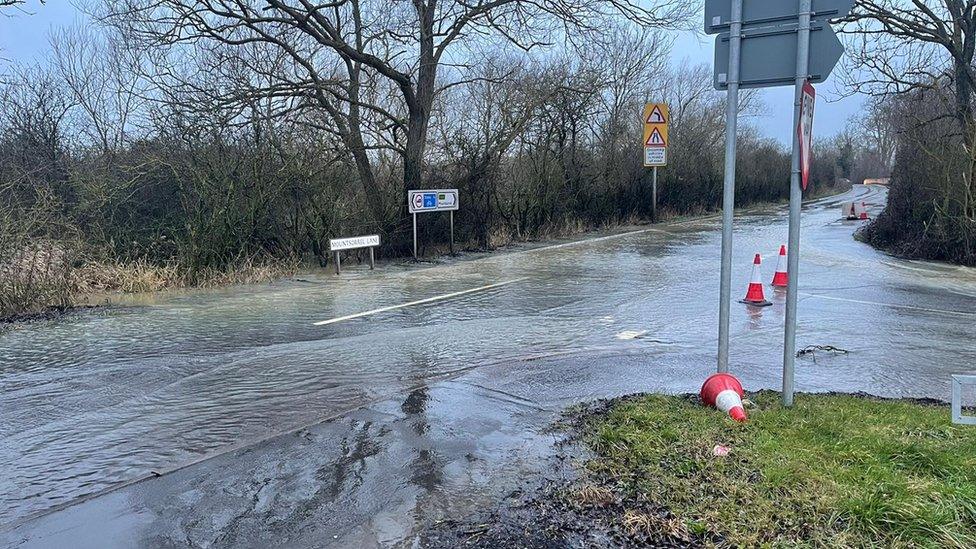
{"type": "Point", "coordinates": [23, 38]}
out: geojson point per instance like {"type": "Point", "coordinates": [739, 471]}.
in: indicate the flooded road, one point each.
{"type": "Point", "coordinates": [106, 396]}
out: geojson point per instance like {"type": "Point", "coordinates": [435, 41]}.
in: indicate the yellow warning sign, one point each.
{"type": "Point", "coordinates": [656, 139]}
{"type": "Point", "coordinates": [656, 118]}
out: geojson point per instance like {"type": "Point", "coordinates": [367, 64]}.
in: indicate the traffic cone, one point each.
{"type": "Point", "coordinates": [853, 213]}
{"type": "Point", "coordinates": [864, 211]}
{"type": "Point", "coordinates": [723, 391]}
{"type": "Point", "coordinates": [754, 296]}
{"type": "Point", "coordinates": [781, 279]}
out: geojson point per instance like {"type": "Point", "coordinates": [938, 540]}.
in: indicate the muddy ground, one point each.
{"type": "Point", "coordinates": [569, 507]}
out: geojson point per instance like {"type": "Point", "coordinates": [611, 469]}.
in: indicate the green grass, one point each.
{"type": "Point", "coordinates": [834, 470]}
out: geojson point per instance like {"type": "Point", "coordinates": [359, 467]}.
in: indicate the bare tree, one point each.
{"type": "Point", "coordinates": [104, 83]}
{"type": "Point", "coordinates": [17, 5]}
{"type": "Point", "coordinates": [904, 46]}
{"type": "Point", "coordinates": [14, 3]}
{"type": "Point", "coordinates": [338, 46]}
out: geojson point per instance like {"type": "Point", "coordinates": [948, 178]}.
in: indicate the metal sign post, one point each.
{"type": "Point", "coordinates": [654, 195]}
{"type": "Point", "coordinates": [728, 188]}
{"type": "Point", "coordinates": [657, 123]}
{"type": "Point", "coordinates": [432, 200]}
{"type": "Point", "coordinates": [796, 200]}
{"type": "Point", "coordinates": [769, 44]}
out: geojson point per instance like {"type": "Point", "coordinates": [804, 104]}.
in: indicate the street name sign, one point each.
{"type": "Point", "coordinates": [804, 131]}
{"type": "Point", "coordinates": [768, 55]}
{"type": "Point", "coordinates": [337, 245]}
{"type": "Point", "coordinates": [432, 200]}
{"type": "Point", "coordinates": [351, 243]}
{"type": "Point", "coordinates": [718, 13]}
{"type": "Point", "coordinates": [657, 120]}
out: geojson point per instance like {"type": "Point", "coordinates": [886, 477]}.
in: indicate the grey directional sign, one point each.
{"type": "Point", "coordinates": [769, 55]}
{"type": "Point", "coordinates": [718, 13]}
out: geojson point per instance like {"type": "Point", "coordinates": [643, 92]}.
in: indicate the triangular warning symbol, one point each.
{"type": "Point", "coordinates": [655, 139]}
{"type": "Point", "coordinates": [656, 116]}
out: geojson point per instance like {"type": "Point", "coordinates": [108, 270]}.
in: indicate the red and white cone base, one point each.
{"type": "Point", "coordinates": [781, 279]}
{"type": "Point", "coordinates": [723, 391]}
{"type": "Point", "coordinates": [864, 211]}
{"type": "Point", "coordinates": [730, 402]}
{"type": "Point", "coordinates": [755, 295]}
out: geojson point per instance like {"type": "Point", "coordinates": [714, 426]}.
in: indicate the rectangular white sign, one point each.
{"type": "Point", "coordinates": [339, 244]}
{"type": "Point", "coordinates": [432, 200]}
{"type": "Point", "coordinates": [655, 156]}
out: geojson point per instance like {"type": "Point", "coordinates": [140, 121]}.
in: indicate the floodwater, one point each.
{"type": "Point", "coordinates": [106, 396]}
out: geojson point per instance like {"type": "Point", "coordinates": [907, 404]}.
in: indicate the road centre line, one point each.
{"type": "Point", "coordinates": [660, 228]}
{"type": "Point", "coordinates": [420, 301]}
{"type": "Point", "coordinates": [589, 240]}
{"type": "Point", "coordinates": [892, 305]}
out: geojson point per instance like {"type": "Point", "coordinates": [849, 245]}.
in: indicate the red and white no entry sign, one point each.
{"type": "Point", "coordinates": [804, 130]}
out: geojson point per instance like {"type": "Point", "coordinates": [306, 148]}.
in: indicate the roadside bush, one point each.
{"type": "Point", "coordinates": [34, 276]}
{"type": "Point", "coordinates": [927, 215]}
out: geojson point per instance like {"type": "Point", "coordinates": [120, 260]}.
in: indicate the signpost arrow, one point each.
{"type": "Point", "coordinates": [769, 56]}
{"type": "Point", "coordinates": [718, 13]}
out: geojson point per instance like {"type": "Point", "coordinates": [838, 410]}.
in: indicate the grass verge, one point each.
{"type": "Point", "coordinates": [835, 470]}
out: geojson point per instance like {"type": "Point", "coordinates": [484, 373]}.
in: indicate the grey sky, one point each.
{"type": "Point", "coordinates": [24, 37]}
{"type": "Point", "coordinates": [832, 111]}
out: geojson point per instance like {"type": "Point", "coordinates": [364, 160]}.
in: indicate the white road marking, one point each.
{"type": "Point", "coordinates": [589, 240]}
{"type": "Point", "coordinates": [420, 302]}
{"type": "Point", "coordinates": [892, 305]}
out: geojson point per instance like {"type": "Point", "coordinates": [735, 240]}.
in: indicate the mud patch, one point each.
{"type": "Point", "coordinates": [569, 508]}
{"type": "Point", "coordinates": [50, 313]}
{"type": "Point", "coordinates": [565, 514]}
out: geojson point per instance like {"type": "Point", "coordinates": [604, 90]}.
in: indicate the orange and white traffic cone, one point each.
{"type": "Point", "coordinates": [724, 392]}
{"type": "Point", "coordinates": [754, 295]}
{"type": "Point", "coordinates": [781, 279]}
{"type": "Point", "coordinates": [864, 211]}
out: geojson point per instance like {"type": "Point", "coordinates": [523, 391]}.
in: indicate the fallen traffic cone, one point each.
{"type": "Point", "coordinates": [724, 392]}
{"type": "Point", "coordinates": [864, 211]}
{"type": "Point", "coordinates": [781, 279]}
{"type": "Point", "coordinates": [754, 296]}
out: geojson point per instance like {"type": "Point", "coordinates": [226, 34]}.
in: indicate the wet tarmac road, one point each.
{"type": "Point", "coordinates": [435, 407]}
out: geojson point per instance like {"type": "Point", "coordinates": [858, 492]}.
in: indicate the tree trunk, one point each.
{"type": "Point", "coordinates": [419, 103]}
{"type": "Point", "coordinates": [423, 99]}
{"type": "Point", "coordinates": [964, 116]}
